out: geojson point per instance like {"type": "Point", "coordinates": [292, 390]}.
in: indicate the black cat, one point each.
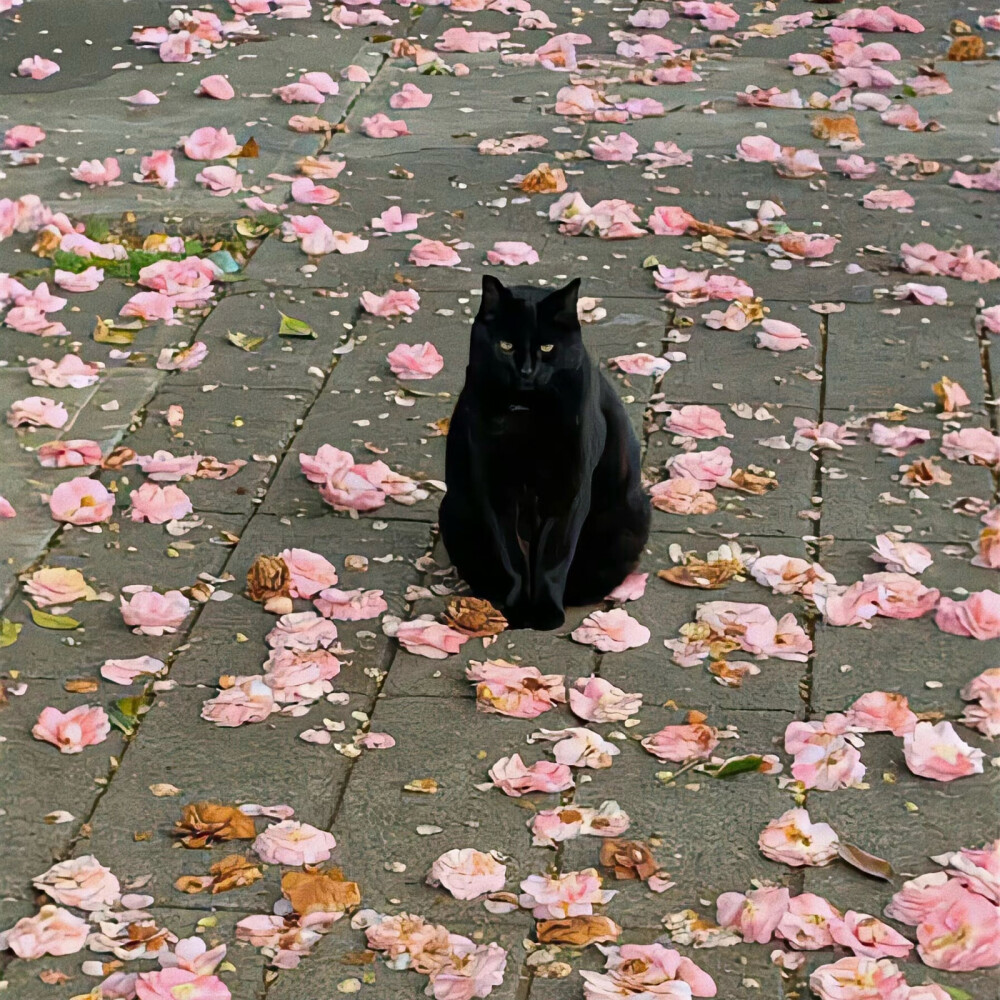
{"type": "Point", "coordinates": [544, 505]}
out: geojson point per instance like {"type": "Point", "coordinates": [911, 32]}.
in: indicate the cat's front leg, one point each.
{"type": "Point", "coordinates": [513, 591]}
{"type": "Point", "coordinates": [552, 559]}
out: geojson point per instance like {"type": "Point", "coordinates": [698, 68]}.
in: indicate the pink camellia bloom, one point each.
{"type": "Point", "coordinates": [193, 955]}
{"type": "Point", "coordinates": [794, 839]}
{"type": "Point", "coordinates": [187, 282]}
{"type": "Point", "coordinates": [598, 700]}
{"type": "Point", "coordinates": [84, 281]}
{"type": "Point", "coordinates": [209, 143]}
{"type": "Point", "coordinates": [758, 149]}
{"type": "Point", "coordinates": [669, 221]}
{"type": "Point", "coordinates": [220, 180]}
{"type": "Point", "coordinates": [299, 93]}
{"type": "Point", "coordinates": [869, 937]}
{"type": "Point", "coordinates": [706, 468]}
{"type": "Point", "coordinates": [83, 726]}
{"type": "Point", "coordinates": [415, 361]}
{"type": "Point", "coordinates": [682, 743]}
{"type": "Point", "coordinates": [293, 843]}
{"type": "Point", "coordinates": [159, 504]}
{"type": "Point", "coordinates": [69, 454]}
{"type": "Point", "coordinates": [343, 484]}
{"type": "Point", "coordinates": [856, 167]}
{"type": "Point", "coordinates": [614, 148]}
{"type": "Point", "coordinates": [578, 746]}
{"type": "Point", "coordinates": [37, 411]}
{"type": "Point", "coordinates": [69, 371]}
{"type": "Point", "coordinates": [217, 87]}
{"type": "Point", "coordinates": [573, 894]}
{"type": "Point", "coordinates": [305, 192]}
{"type": "Point", "coordinates": [647, 970]}
{"type": "Point", "coordinates": [97, 173]}
{"type": "Point", "coordinates": [126, 672]}
{"type": "Point", "coordinates": [975, 445]}
{"type": "Point", "coordinates": [394, 220]}
{"type": "Point", "coordinates": [37, 67]}
{"type": "Point", "coordinates": [158, 168]}
{"type": "Point", "coordinates": [977, 617]}
{"type": "Point", "coordinates": [961, 933]}
{"type": "Point", "coordinates": [630, 589]}
{"type": "Point", "coordinates": [553, 826]}
{"type": "Point", "coordinates": [514, 778]}
{"type": "Point", "coordinates": [300, 676]}
{"type": "Point", "coordinates": [381, 126]}
{"type": "Point", "coordinates": [695, 421]}
{"type": "Point", "coordinates": [150, 306]}
{"type": "Point", "coordinates": [51, 931]}
{"type": "Point", "coordinates": [463, 40]}
{"type": "Point", "coordinates": [469, 970]}
{"type": "Point", "coordinates": [57, 585]}
{"type": "Point", "coordinates": [808, 922]}
{"type": "Point", "coordinates": [409, 96]}
{"type": "Point", "coordinates": [433, 253]}
{"type": "Point", "coordinates": [467, 873]}
{"type": "Point", "coordinates": [755, 915]}
{"type": "Point", "coordinates": [315, 236]}
{"type": "Point", "coordinates": [682, 496]}
{"type": "Point", "coordinates": [713, 16]}
{"type": "Point", "coordinates": [81, 501]}
{"type": "Point", "coordinates": [302, 630]}
{"type": "Point", "coordinates": [789, 575]}
{"type": "Point", "coordinates": [309, 572]}
{"type": "Point", "coordinates": [23, 137]}
{"type": "Point", "coordinates": [512, 253]}
{"type": "Point", "coordinates": [163, 467]}
{"type": "Point", "coordinates": [151, 613]}
{"type": "Point", "coordinates": [248, 700]}
{"type": "Point", "coordinates": [395, 302]}
{"type": "Point", "coordinates": [640, 364]}
{"type": "Point", "coordinates": [824, 760]}
{"type": "Point", "coordinates": [895, 440]}
{"type": "Point", "coordinates": [6, 509]}
{"type": "Point", "coordinates": [611, 631]}
{"type": "Point", "coordinates": [859, 979]}
{"type": "Point", "coordinates": [900, 556]}
{"type": "Point", "coordinates": [425, 637]}
{"type": "Point", "coordinates": [171, 984]}
{"type": "Point", "coordinates": [984, 716]}
{"type": "Point", "coordinates": [350, 605]}
{"type": "Point", "coordinates": [520, 692]}
{"type": "Point", "coordinates": [937, 752]}
{"type": "Point", "coordinates": [881, 199]}
{"type": "Point", "coordinates": [926, 295]}
{"type": "Point", "coordinates": [776, 335]}
{"type": "Point", "coordinates": [881, 712]}
{"type": "Point", "coordinates": [83, 883]}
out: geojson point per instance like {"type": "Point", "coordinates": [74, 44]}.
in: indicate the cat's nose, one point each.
{"type": "Point", "coordinates": [526, 368]}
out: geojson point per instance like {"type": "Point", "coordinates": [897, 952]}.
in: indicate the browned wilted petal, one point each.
{"type": "Point", "coordinates": [836, 129]}
{"type": "Point", "coordinates": [192, 884]}
{"type": "Point", "coordinates": [474, 616]}
{"type": "Point", "coordinates": [578, 931]}
{"type": "Point", "coordinates": [925, 472]}
{"type": "Point", "coordinates": [544, 180]}
{"type": "Point", "coordinates": [268, 577]}
{"type": "Point", "coordinates": [749, 482]}
{"type": "Point", "coordinates": [703, 575]}
{"type": "Point", "coordinates": [233, 872]}
{"type": "Point", "coordinates": [629, 859]}
{"type": "Point", "coordinates": [319, 891]}
{"type": "Point", "coordinates": [205, 823]}
{"type": "Point", "coordinates": [967, 48]}
{"type": "Point", "coordinates": [118, 458]}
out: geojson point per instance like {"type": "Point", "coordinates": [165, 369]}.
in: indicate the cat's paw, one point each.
{"type": "Point", "coordinates": [546, 617]}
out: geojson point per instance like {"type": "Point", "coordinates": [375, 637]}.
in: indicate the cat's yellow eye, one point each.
{"type": "Point", "coordinates": [546, 348]}
{"type": "Point", "coordinates": [506, 346]}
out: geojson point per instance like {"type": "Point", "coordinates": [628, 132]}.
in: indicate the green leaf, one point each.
{"type": "Point", "coordinates": [955, 993]}
{"type": "Point", "coordinates": [44, 620]}
{"type": "Point", "coordinates": [105, 333]}
{"type": "Point", "coordinates": [97, 229]}
{"type": "Point", "coordinates": [865, 862]}
{"type": "Point", "coordinates": [194, 247]}
{"type": "Point", "coordinates": [651, 261]}
{"type": "Point", "coordinates": [244, 341]}
{"type": "Point", "coordinates": [292, 327]}
{"type": "Point", "coordinates": [9, 632]}
{"type": "Point", "coordinates": [124, 713]}
{"type": "Point", "coordinates": [738, 765]}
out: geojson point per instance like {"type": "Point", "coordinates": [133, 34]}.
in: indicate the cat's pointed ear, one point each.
{"type": "Point", "coordinates": [561, 305]}
{"type": "Point", "coordinates": [493, 292]}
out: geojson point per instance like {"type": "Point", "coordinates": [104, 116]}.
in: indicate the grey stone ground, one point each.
{"type": "Point", "coordinates": [293, 395]}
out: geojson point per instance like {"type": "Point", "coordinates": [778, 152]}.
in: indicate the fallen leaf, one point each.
{"type": "Point", "coordinates": [292, 327]}
{"type": "Point", "coordinates": [865, 862]}
{"type": "Point", "coordinates": [578, 931]}
{"type": "Point", "coordinates": [44, 620]}
{"type": "Point", "coordinates": [9, 631]}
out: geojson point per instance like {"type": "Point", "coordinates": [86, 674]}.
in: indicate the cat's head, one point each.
{"type": "Point", "coordinates": [523, 336]}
